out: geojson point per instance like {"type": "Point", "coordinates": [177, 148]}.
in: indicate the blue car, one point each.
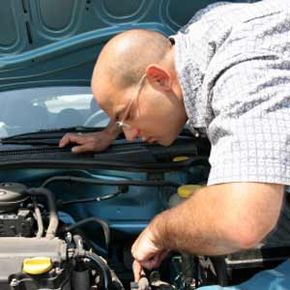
{"type": "Point", "coordinates": [68, 221]}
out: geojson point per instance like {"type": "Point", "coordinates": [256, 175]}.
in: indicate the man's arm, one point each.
{"type": "Point", "coordinates": [91, 142]}
{"type": "Point", "coordinates": [216, 220]}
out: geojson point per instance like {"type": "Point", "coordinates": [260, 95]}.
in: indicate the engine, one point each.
{"type": "Point", "coordinates": [37, 252]}
{"type": "Point", "coordinates": [42, 247]}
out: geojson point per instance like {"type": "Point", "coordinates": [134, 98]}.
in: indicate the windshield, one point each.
{"type": "Point", "coordinates": [30, 110]}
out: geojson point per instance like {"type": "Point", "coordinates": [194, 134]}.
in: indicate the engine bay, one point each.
{"type": "Point", "coordinates": [69, 222]}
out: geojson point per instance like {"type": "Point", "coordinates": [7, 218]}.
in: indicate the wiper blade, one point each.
{"type": "Point", "coordinates": [45, 137]}
{"type": "Point", "coordinates": [51, 137]}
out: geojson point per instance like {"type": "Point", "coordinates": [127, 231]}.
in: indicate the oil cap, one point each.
{"type": "Point", "coordinates": [37, 265]}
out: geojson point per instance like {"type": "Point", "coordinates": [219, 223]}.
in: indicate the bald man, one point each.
{"type": "Point", "coordinates": [228, 76]}
{"type": "Point", "coordinates": [118, 83]}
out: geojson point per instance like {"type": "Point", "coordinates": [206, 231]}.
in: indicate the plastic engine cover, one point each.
{"type": "Point", "coordinates": [14, 250]}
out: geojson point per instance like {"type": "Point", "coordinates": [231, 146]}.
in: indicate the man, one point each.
{"type": "Point", "coordinates": [227, 73]}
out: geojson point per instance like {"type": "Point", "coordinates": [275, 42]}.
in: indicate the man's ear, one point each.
{"type": "Point", "coordinates": [158, 77]}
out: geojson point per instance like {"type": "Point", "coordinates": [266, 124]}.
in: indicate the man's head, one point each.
{"type": "Point", "coordinates": [135, 82]}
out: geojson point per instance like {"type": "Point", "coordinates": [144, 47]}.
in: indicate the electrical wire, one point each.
{"type": "Point", "coordinates": [91, 199]}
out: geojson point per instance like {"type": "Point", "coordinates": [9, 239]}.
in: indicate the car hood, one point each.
{"type": "Point", "coordinates": [57, 42]}
{"type": "Point", "coordinates": [62, 206]}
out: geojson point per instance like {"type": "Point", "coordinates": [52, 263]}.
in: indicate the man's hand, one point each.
{"type": "Point", "coordinates": [90, 142]}
{"type": "Point", "coordinates": [147, 251]}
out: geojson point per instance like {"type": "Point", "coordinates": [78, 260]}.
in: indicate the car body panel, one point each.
{"type": "Point", "coordinates": [56, 42]}
{"type": "Point", "coordinates": [48, 49]}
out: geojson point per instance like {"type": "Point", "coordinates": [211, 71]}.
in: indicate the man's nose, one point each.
{"type": "Point", "coordinates": [131, 134]}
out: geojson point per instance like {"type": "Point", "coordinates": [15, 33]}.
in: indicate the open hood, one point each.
{"type": "Point", "coordinates": [57, 42]}
{"type": "Point", "coordinates": [48, 49]}
{"type": "Point", "coordinates": [68, 221]}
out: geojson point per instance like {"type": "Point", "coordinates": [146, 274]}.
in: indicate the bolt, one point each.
{"type": "Point", "coordinates": [68, 237]}
{"type": "Point", "coordinates": [14, 282]}
{"type": "Point", "coordinates": [3, 192]}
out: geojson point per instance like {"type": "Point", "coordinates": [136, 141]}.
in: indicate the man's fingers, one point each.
{"type": "Point", "coordinates": [72, 138]}
{"type": "Point", "coordinates": [155, 261]}
{"type": "Point", "coordinates": [151, 263]}
{"type": "Point", "coordinates": [163, 254]}
{"type": "Point", "coordinates": [88, 142]}
{"type": "Point", "coordinates": [82, 148]}
{"type": "Point", "coordinates": [137, 270]}
{"type": "Point", "coordinates": [144, 249]}
{"type": "Point", "coordinates": [66, 139]}
{"type": "Point", "coordinates": [63, 141]}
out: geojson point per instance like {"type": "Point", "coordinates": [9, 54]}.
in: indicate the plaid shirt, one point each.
{"type": "Point", "coordinates": [233, 64]}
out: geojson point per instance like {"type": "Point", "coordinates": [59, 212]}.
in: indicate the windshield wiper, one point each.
{"type": "Point", "coordinates": [45, 137]}
{"type": "Point", "coordinates": [51, 137]}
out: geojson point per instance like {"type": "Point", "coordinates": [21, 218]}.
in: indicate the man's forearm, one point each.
{"type": "Point", "coordinates": [220, 219]}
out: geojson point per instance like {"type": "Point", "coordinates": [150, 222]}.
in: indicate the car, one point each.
{"type": "Point", "coordinates": [68, 221]}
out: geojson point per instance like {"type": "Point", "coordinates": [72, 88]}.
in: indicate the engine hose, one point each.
{"type": "Point", "coordinates": [106, 277]}
{"type": "Point", "coordinates": [39, 221]}
{"type": "Point", "coordinates": [53, 218]}
{"type": "Point", "coordinates": [100, 222]}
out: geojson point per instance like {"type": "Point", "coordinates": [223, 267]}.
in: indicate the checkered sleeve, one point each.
{"type": "Point", "coordinates": [250, 131]}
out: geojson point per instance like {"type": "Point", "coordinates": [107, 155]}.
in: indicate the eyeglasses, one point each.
{"type": "Point", "coordinates": [122, 123]}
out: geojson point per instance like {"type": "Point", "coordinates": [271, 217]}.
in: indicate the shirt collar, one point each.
{"type": "Point", "coordinates": [190, 77]}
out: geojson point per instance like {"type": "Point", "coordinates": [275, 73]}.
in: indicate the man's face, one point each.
{"type": "Point", "coordinates": [143, 111]}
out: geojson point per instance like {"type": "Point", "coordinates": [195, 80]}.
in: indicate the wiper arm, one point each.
{"type": "Point", "coordinates": [51, 137]}
{"type": "Point", "coordinates": [45, 137]}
